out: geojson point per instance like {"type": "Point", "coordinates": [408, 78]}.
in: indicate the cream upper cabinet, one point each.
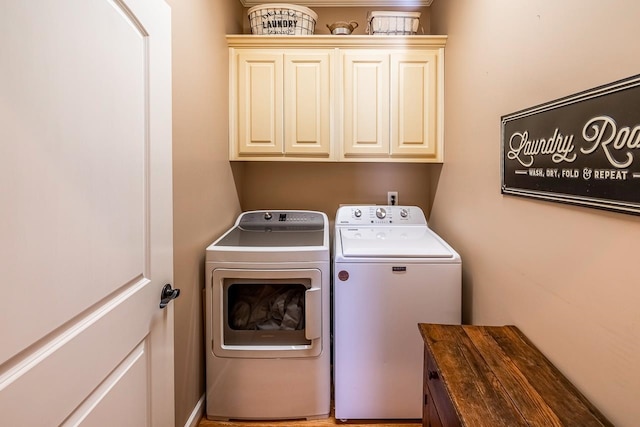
{"type": "Point", "coordinates": [280, 104]}
{"type": "Point", "coordinates": [391, 105]}
{"type": "Point", "coordinates": [366, 103]}
{"type": "Point", "coordinates": [336, 98]}
{"type": "Point", "coordinates": [307, 103]}
{"type": "Point", "coordinates": [414, 105]}
{"type": "Point", "coordinates": [260, 103]}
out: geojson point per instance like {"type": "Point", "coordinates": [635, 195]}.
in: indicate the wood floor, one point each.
{"type": "Point", "coordinates": [331, 421]}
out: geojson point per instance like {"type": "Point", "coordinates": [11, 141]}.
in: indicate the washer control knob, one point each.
{"type": "Point", "coordinates": [404, 213]}
{"type": "Point", "coordinates": [357, 213]}
{"type": "Point", "coordinates": [268, 216]}
{"type": "Point", "coordinates": [381, 213]}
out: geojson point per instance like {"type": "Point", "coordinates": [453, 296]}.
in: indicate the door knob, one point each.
{"type": "Point", "coordinates": [167, 295]}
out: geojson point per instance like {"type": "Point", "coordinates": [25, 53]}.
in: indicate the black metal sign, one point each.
{"type": "Point", "coordinates": [582, 149]}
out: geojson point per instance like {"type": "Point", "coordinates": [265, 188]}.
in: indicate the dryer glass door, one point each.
{"type": "Point", "coordinates": [266, 313]}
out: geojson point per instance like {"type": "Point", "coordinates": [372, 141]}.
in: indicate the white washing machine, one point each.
{"type": "Point", "coordinates": [391, 272]}
{"type": "Point", "coordinates": [268, 318]}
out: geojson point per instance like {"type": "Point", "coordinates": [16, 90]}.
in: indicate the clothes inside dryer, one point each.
{"type": "Point", "coordinates": [266, 307]}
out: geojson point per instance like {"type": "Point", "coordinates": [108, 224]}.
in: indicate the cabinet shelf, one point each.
{"type": "Point", "coordinates": [334, 41]}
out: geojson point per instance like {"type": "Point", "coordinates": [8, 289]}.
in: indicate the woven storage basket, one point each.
{"type": "Point", "coordinates": [393, 23]}
{"type": "Point", "coordinates": [282, 18]}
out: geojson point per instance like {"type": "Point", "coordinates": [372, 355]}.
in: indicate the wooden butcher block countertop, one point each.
{"type": "Point", "coordinates": [494, 376]}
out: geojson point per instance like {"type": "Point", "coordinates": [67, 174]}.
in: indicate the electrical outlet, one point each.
{"type": "Point", "coordinates": [392, 198]}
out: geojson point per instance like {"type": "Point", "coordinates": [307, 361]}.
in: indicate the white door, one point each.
{"type": "Point", "coordinates": [85, 213]}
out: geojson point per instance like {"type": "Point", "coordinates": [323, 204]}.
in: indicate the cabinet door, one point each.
{"type": "Point", "coordinates": [441, 412]}
{"type": "Point", "coordinates": [307, 108]}
{"type": "Point", "coordinates": [366, 104]}
{"type": "Point", "coordinates": [414, 95]}
{"type": "Point", "coordinates": [259, 103]}
{"type": "Point", "coordinates": [430, 417]}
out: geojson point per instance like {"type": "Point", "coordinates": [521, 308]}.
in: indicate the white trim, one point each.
{"type": "Point", "coordinates": [196, 414]}
{"type": "Point", "coordinates": [328, 41]}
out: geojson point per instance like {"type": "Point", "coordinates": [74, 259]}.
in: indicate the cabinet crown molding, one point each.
{"type": "Point", "coordinates": [331, 41]}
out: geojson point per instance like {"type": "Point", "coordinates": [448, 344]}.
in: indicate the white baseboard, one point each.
{"type": "Point", "coordinates": [196, 414]}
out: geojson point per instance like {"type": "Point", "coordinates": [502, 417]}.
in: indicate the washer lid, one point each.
{"type": "Point", "coordinates": [276, 229]}
{"type": "Point", "coordinates": [393, 242]}
{"type": "Point", "coordinates": [274, 238]}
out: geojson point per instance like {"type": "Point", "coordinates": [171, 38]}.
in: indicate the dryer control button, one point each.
{"type": "Point", "coordinates": [404, 213]}
{"type": "Point", "coordinates": [357, 213]}
{"type": "Point", "coordinates": [268, 216]}
{"type": "Point", "coordinates": [381, 213]}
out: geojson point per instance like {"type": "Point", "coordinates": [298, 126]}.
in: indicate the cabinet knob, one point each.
{"type": "Point", "coordinates": [433, 375]}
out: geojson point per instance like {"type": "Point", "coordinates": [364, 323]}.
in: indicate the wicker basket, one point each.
{"type": "Point", "coordinates": [282, 18]}
{"type": "Point", "coordinates": [393, 23]}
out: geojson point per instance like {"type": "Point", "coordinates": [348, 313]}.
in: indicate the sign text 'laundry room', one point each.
{"type": "Point", "coordinates": [582, 149]}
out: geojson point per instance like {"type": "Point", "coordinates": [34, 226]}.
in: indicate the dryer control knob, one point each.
{"type": "Point", "coordinates": [381, 213]}
{"type": "Point", "coordinates": [268, 216]}
{"type": "Point", "coordinates": [357, 213]}
{"type": "Point", "coordinates": [404, 213]}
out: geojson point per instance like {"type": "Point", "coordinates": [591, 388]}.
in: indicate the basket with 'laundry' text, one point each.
{"type": "Point", "coordinates": [282, 18]}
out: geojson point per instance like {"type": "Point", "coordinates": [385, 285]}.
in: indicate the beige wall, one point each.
{"type": "Point", "coordinates": [324, 186]}
{"type": "Point", "coordinates": [205, 196]}
{"type": "Point", "coordinates": [566, 276]}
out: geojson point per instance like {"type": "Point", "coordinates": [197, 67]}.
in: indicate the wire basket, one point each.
{"type": "Point", "coordinates": [282, 18]}
{"type": "Point", "coordinates": [393, 23]}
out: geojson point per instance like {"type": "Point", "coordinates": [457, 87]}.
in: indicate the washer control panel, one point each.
{"type": "Point", "coordinates": [380, 215]}
{"type": "Point", "coordinates": [281, 220]}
